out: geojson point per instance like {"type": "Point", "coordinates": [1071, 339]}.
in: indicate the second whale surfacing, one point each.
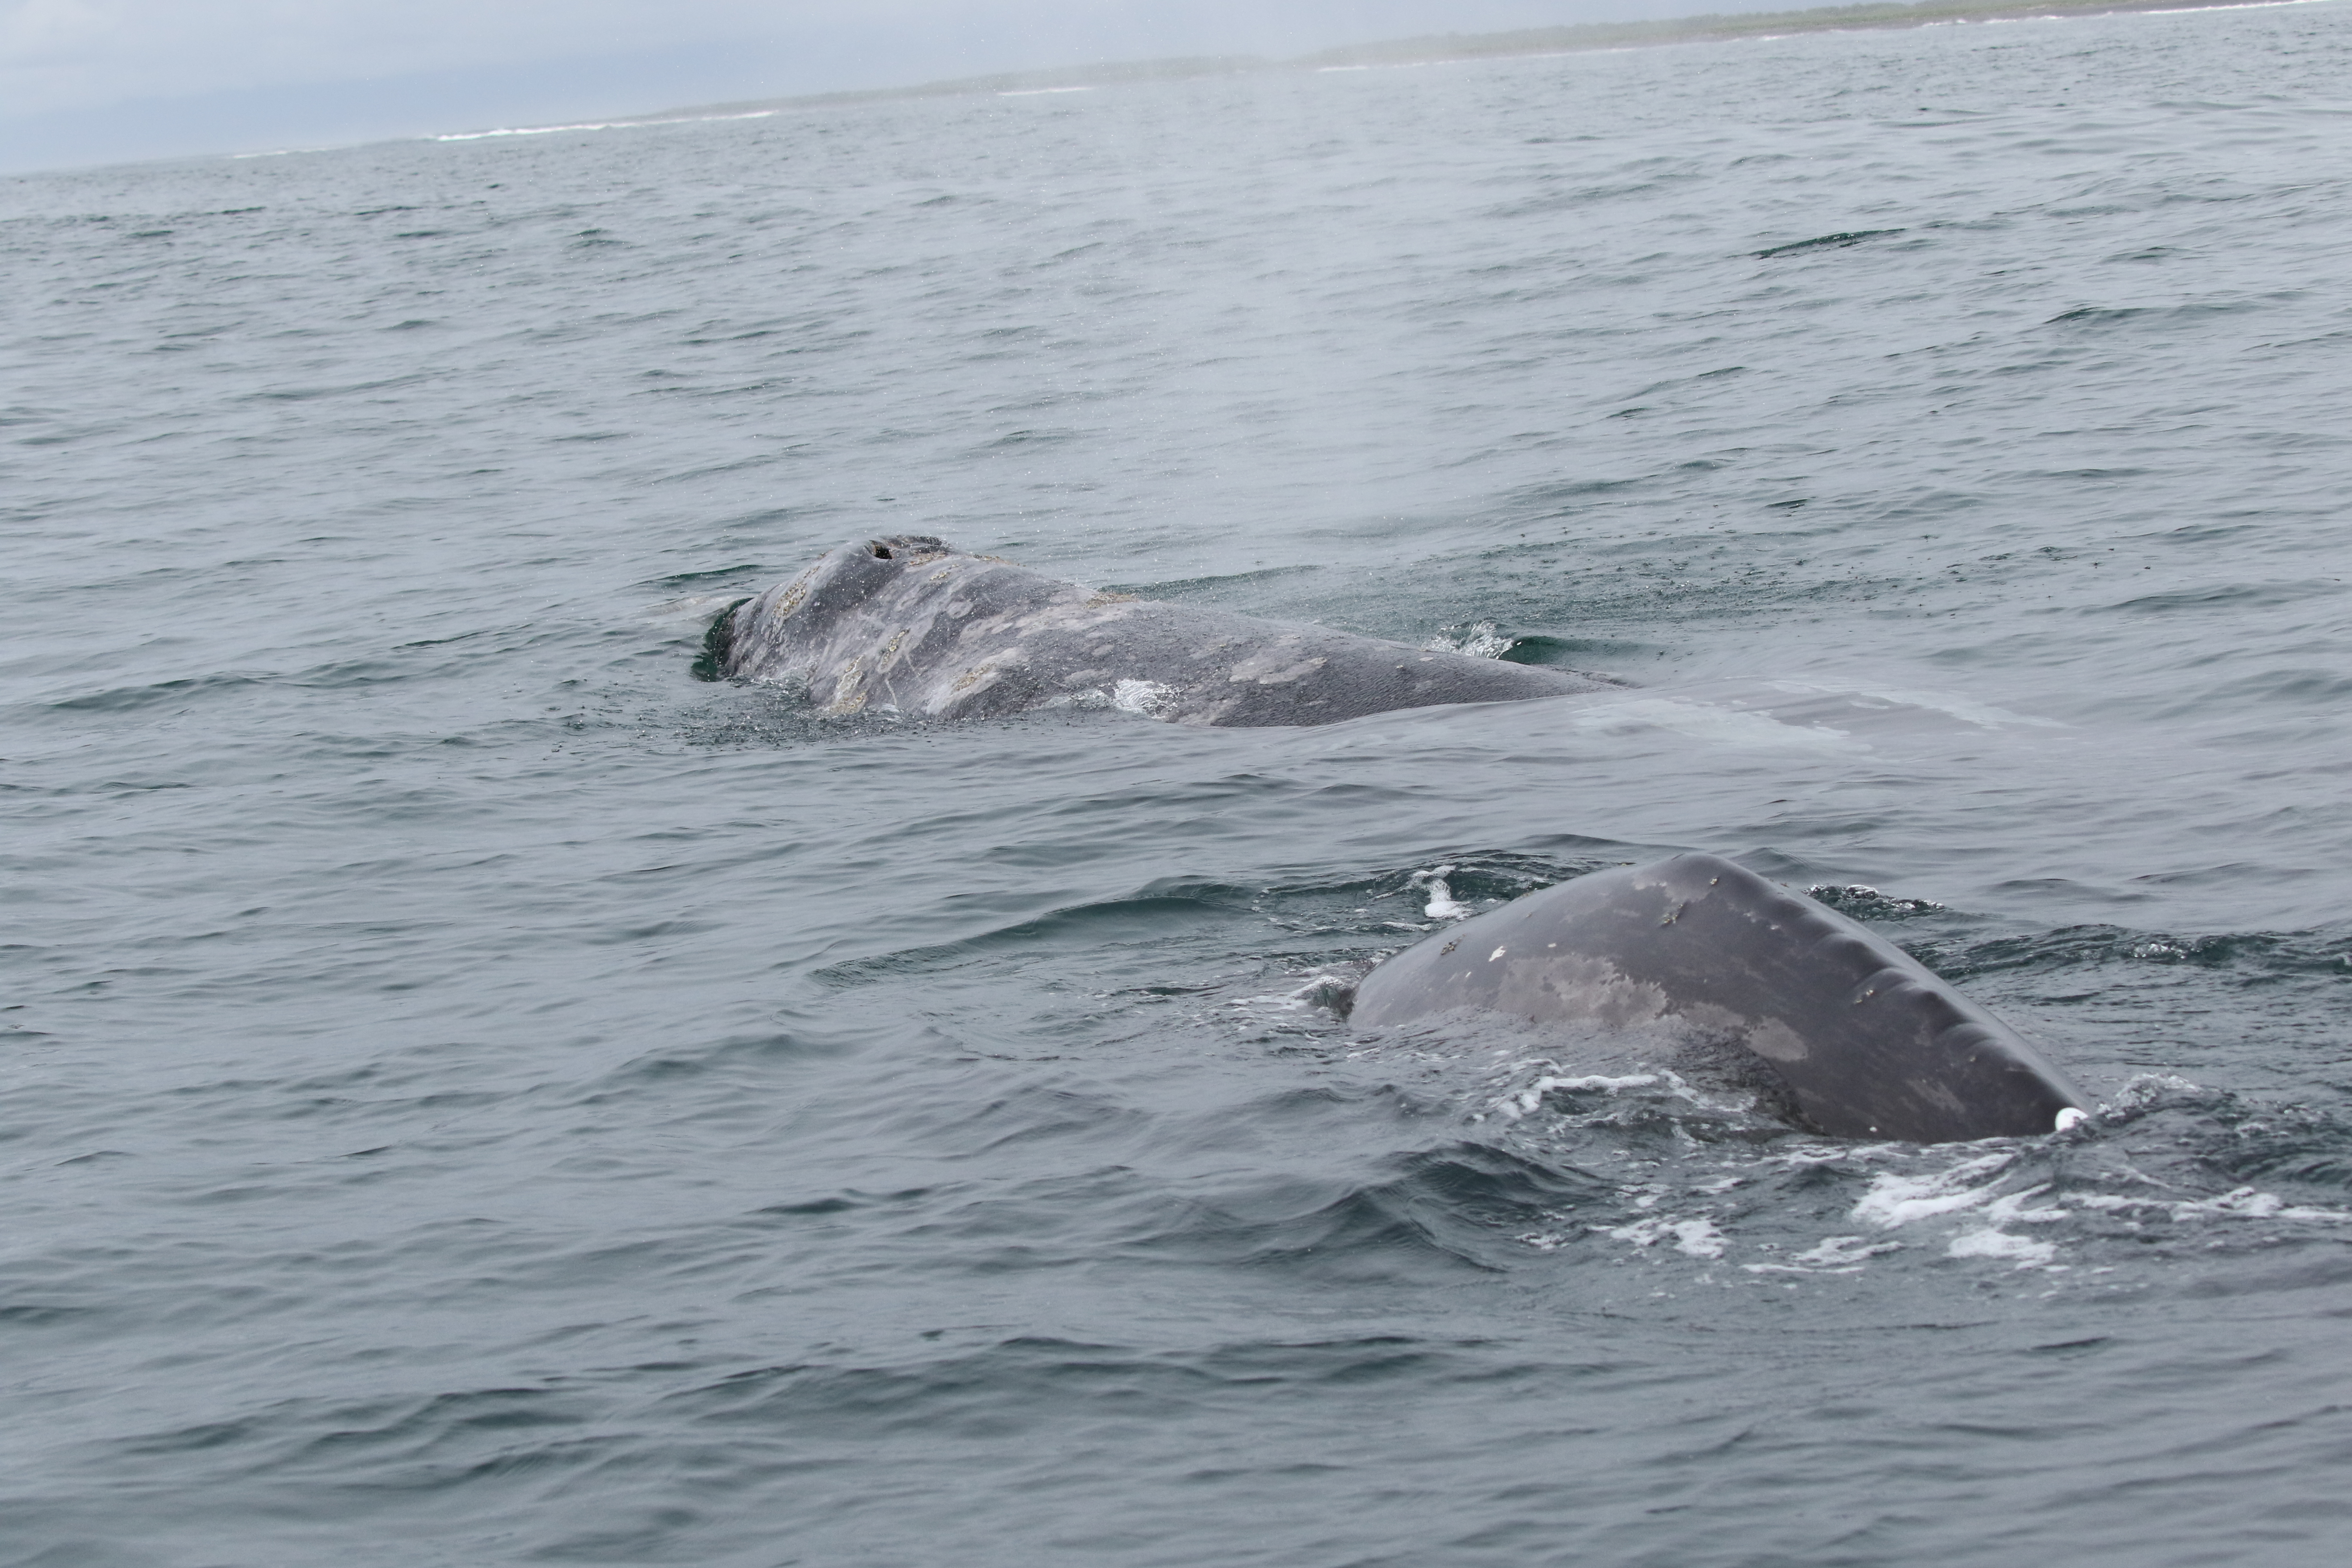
{"type": "Point", "coordinates": [908, 623]}
{"type": "Point", "coordinates": [1853, 1037]}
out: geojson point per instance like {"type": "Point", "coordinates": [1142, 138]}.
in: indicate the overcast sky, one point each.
{"type": "Point", "coordinates": [86, 81]}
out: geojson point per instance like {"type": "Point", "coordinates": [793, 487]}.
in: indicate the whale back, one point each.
{"type": "Point", "coordinates": [1864, 1040]}
{"type": "Point", "coordinates": [908, 623]}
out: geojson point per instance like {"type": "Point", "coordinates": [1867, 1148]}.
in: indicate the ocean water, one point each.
{"type": "Point", "coordinates": [474, 1094]}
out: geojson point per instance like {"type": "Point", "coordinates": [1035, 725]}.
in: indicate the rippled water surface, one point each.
{"type": "Point", "coordinates": [474, 1094]}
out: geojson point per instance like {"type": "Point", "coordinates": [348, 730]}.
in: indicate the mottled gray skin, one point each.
{"type": "Point", "coordinates": [906, 623]}
{"type": "Point", "coordinates": [1865, 1042]}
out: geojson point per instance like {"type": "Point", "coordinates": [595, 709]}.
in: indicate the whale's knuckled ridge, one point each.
{"type": "Point", "coordinates": [1864, 1040]}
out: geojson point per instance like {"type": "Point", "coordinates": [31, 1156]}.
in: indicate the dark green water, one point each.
{"type": "Point", "coordinates": [474, 1094]}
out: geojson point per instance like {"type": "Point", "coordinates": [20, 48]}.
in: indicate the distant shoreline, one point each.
{"type": "Point", "coordinates": [1439, 49]}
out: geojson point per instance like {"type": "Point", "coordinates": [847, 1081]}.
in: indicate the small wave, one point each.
{"type": "Point", "coordinates": [678, 582]}
{"type": "Point", "coordinates": [1864, 903]}
{"type": "Point", "coordinates": [1827, 242]}
{"type": "Point", "coordinates": [2234, 597]}
{"type": "Point", "coordinates": [2252, 957]}
{"type": "Point", "coordinates": [1148, 918]}
{"type": "Point", "coordinates": [1479, 640]}
{"type": "Point", "coordinates": [132, 699]}
{"type": "Point", "coordinates": [691, 611]}
{"type": "Point", "coordinates": [2061, 1204]}
{"type": "Point", "coordinates": [1013, 1385]}
{"type": "Point", "coordinates": [1462, 1204]}
{"type": "Point", "coordinates": [2104, 316]}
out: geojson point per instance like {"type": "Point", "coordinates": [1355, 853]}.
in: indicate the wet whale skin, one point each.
{"type": "Point", "coordinates": [1866, 1041]}
{"type": "Point", "coordinates": [909, 625]}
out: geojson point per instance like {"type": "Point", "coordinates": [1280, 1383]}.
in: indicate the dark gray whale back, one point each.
{"type": "Point", "coordinates": [909, 623]}
{"type": "Point", "coordinates": [1867, 1043]}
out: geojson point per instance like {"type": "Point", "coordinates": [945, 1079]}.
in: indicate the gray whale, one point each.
{"type": "Point", "coordinates": [1863, 1040]}
{"type": "Point", "coordinates": [906, 623]}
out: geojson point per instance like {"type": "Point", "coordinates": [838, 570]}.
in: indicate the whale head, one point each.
{"type": "Point", "coordinates": [848, 574]}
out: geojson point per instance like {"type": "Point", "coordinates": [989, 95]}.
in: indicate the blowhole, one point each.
{"type": "Point", "coordinates": [881, 552]}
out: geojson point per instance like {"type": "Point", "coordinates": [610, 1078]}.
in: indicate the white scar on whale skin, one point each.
{"type": "Point", "coordinates": [1267, 669]}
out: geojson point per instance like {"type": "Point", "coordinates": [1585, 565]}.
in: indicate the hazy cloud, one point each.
{"type": "Point", "coordinates": [241, 69]}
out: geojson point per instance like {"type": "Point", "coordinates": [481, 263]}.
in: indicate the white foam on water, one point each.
{"type": "Point", "coordinates": [1968, 1188]}
{"type": "Point", "coordinates": [2024, 1251]}
{"type": "Point", "coordinates": [1682, 1089]}
{"type": "Point", "coordinates": [1832, 1254]}
{"type": "Point", "coordinates": [1698, 1238]}
{"type": "Point", "coordinates": [1896, 1200]}
{"type": "Point", "coordinates": [1970, 1192]}
{"type": "Point", "coordinates": [1483, 640]}
{"type": "Point", "coordinates": [1144, 697]}
{"type": "Point", "coordinates": [1528, 1101]}
{"type": "Point", "coordinates": [1693, 1237]}
{"type": "Point", "coordinates": [1442, 905]}
{"type": "Point", "coordinates": [2147, 1090]}
{"type": "Point", "coordinates": [2239, 1203]}
{"type": "Point", "coordinates": [1964, 1205]}
{"type": "Point", "coordinates": [1039, 92]}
